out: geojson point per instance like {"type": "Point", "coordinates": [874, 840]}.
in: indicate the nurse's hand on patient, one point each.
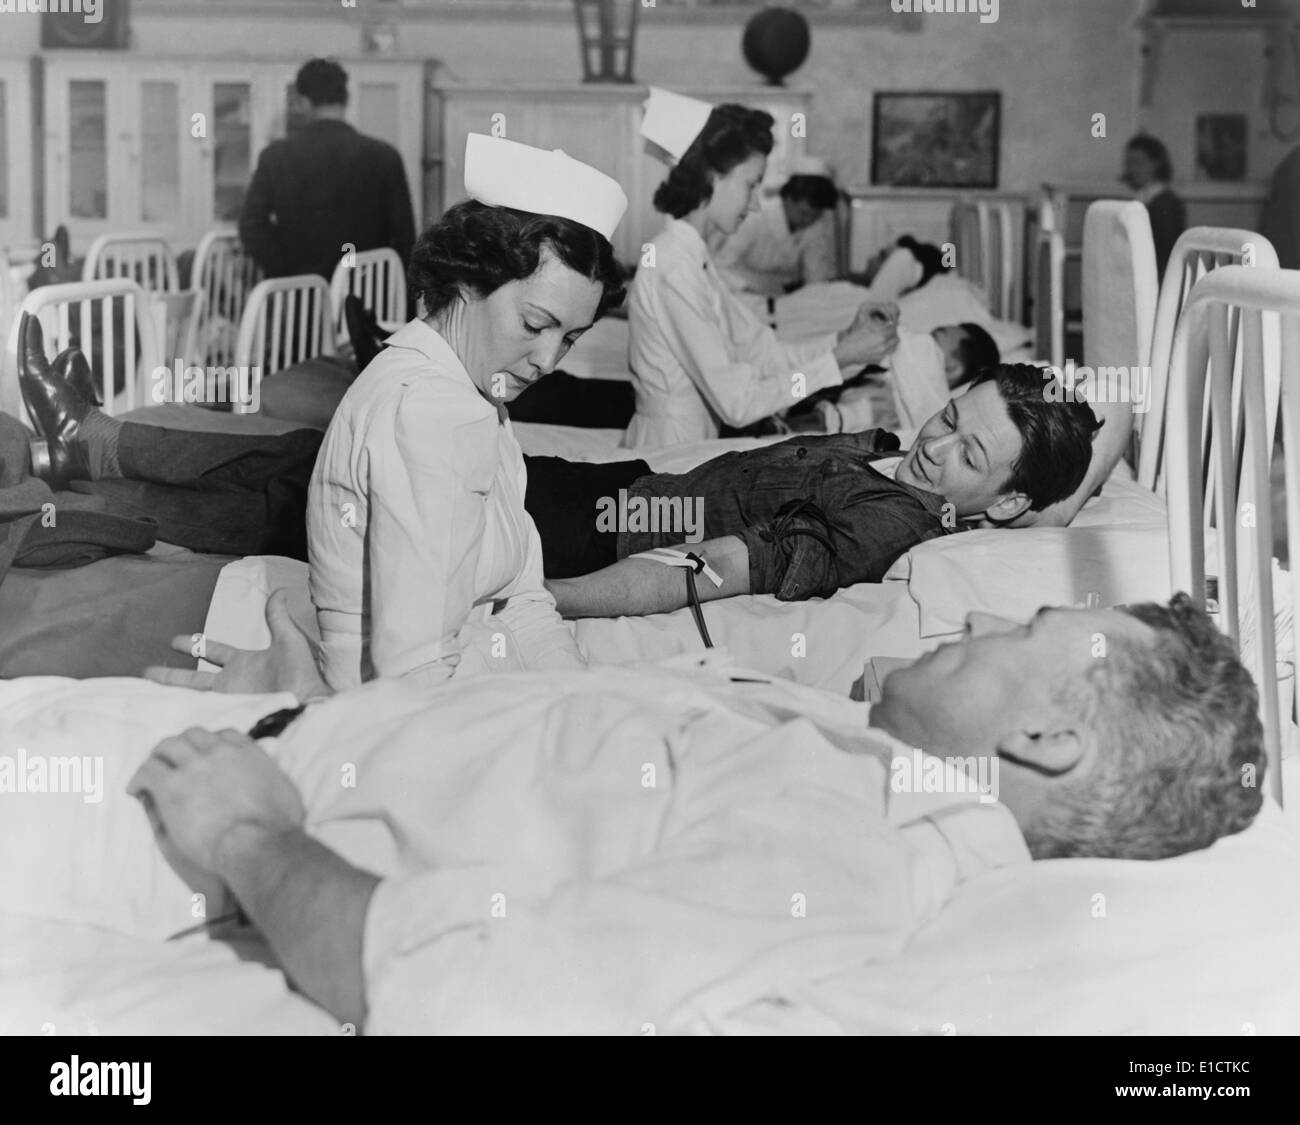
{"type": "Point", "coordinates": [199, 785]}
{"type": "Point", "coordinates": [288, 665]}
{"type": "Point", "coordinates": [871, 337]}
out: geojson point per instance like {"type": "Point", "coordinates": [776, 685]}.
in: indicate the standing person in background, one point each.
{"type": "Point", "coordinates": [1280, 223]}
{"type": "Point", "coordinates": [1147, 170]}
{"type": "Point", "coordinates": [324, 188]}
{"type": "Point", "coordinates": [790, 240]}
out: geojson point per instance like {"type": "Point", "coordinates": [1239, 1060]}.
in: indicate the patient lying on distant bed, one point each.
{"type": "Point", "coordinates": [613, 850]}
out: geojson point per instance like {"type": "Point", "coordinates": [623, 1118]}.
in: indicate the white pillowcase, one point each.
{"type": "Point", "coordinates": [1116, 552]}
{"type": "Point", "coordinates": [1014, 573]}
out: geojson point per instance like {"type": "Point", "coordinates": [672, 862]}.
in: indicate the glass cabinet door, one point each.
{"type": "Point", "coordinates": [160, 153]}
{"type": "Point", "coordinates": [87, 124]}
{"type": "Point", "coordinates": [232, 148]}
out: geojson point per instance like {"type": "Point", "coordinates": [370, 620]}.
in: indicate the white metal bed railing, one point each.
{"type": "Point", "coordinates": [989, 252]}
{"type": "Point", "coordinates": [1196, 253]}
{"type": "Point", "coordinates": [145, 259]}
{"type": "Point", "coordinates": [378, 278]}
{"type": "Point", "coordinates": [1049, 298]}
{"type": "Point", "coordinates": [115, 323]}
{"type": "Point", "coordinates": [287, 320]}
{"type": "Point", "coordinates": [1218, 461]}
{"type": "Point", "coordinates": [222, 277]}
{"type": "Point", "coordinates": [1120, 284]}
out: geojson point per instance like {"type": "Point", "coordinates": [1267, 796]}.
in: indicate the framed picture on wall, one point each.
{"type": "Point", "coordinates": [936, 139]}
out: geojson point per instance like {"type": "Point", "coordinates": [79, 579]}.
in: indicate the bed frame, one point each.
{"type": "Point", "coordinates": [1219, 444]}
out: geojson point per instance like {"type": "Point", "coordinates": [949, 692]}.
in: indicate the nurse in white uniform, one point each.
{"type": "Point", "coordinates": [700, 359]}
{"type": "Point", "coordinates": [422, 555]}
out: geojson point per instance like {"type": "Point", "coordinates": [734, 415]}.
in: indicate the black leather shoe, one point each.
{"type": "Point", "coordinates": [55, 405]}
{"type": "Point", "coordinates": [80, 376]}
{"type": "Point", "coordinates": [363, 330]}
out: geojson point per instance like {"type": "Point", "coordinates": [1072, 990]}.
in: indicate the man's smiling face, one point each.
{"type": "Point", "coordinates": [965, 453]}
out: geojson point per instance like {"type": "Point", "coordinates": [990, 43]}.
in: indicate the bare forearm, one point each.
{"type": "Point", "coordinates": [1110, 444]}
{"type": "Point", "coordinates": [634, 587]}
{"type": "Point", "coordinates": [310, 904]}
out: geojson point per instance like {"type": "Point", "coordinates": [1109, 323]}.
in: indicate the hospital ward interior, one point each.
{"type": "Point", "coordinates": [848, 424]}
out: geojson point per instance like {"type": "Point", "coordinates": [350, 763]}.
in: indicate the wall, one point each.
{"type": "Point", "coordinates": [1056, 61]}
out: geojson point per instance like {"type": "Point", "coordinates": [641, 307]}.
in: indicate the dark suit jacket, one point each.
{"type": "Point", "coordinates": [1280, 223]}
{"type": "Point", "coordinates": [319, 190]}
{"type": "Point", "coordinates": [1168, 221]}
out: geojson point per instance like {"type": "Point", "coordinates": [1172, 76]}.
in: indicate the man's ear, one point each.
{"type": "Point", "coordinates": [1054, 753]}
{"type": "Point", "coordinates": [1007, 507]}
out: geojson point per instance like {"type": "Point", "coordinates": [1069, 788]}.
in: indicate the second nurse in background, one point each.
{"type": "Point", "coordinates": [700, 358]}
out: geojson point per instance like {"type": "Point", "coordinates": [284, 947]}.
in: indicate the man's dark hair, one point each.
{"type": "Point", "coordinates": [818, 191]}
{"type": "Point", "coordinates": [1180, 745]}
{"type": "Point", "coordinates": [479, 248]}
{"type": "Point", "coordinates": [1154, 150]}
{"type": "Point", "coordinates": [978, 351]}
{"type": "Point", "coordinates": [732, 134]}
{"type": "Point", "coordinates": [929, 256]}
{"type": "Point", "coordinates": [323, 82]}
{"type": "Point", "coordinates": [1055, 432]}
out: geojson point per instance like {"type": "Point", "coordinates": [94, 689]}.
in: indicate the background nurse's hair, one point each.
{"type": "Point", "coordinates": [1154, 150]}
{"type": "Point", "coordinates": [732, 134]}
{"type": "Point", "coordinates": [479, 248]}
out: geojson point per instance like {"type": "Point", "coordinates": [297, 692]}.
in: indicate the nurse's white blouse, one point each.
{"type": "Point", "coordinates": [417, 530]}
{"type": "Point", "coordinates": [700, 358]}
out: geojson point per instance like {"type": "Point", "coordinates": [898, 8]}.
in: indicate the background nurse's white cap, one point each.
{"type": "Point", "coordinates": [673, 121]}
{"type": "Point", "coordinates": [504, 173]}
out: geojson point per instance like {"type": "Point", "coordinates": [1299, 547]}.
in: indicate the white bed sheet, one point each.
{"type": "Point", "coordinates": [818, 310]}
{"type": "Point", "coordinates": [61, 978]}
{"type": "Point", "coordinates": [818, 643]}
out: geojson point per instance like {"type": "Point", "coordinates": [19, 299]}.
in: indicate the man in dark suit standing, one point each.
{"type": "Point", "coordinates": [1280, 222]}
{"type": "Point", "coordinates": [325, 188]}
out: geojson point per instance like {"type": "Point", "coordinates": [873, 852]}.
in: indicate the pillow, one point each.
{"type": "Point", "coordinates": [1014, 573]}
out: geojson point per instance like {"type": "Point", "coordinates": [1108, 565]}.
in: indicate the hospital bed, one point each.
{"type": "Point", "coordinates": [1198, 944]}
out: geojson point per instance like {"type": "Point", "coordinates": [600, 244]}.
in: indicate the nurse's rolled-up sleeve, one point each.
{"type": "Point", "coordinates": [753, 377]}
{"type": "Point", "coordinates": [426, 519]}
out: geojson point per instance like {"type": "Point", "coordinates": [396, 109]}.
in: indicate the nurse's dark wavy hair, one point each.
{"type": "Point", "coordinates": [732, 134]}
{"type": "Point", "coordinates": [1154, 150]}
{"type": "Point", "coordinates": [477, 249]}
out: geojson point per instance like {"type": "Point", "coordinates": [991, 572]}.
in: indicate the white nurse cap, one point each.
{"type": "Point", "coordinates": [673, 121]}
{"type": "Point", "coordinates": [504, 173]}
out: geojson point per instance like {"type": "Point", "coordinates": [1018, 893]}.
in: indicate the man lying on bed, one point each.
{"type": "Point", "coordinates": [594, 851]}
{"type": "Point", "coordinates": [811, 515]}
{"type": "Point", "coordinates": [798, 519]}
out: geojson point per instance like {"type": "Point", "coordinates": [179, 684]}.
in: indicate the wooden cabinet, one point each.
{"type": "Point", "coordinates": [168, 145]}
{"type": "Point", "coordinates": [599, 125]}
